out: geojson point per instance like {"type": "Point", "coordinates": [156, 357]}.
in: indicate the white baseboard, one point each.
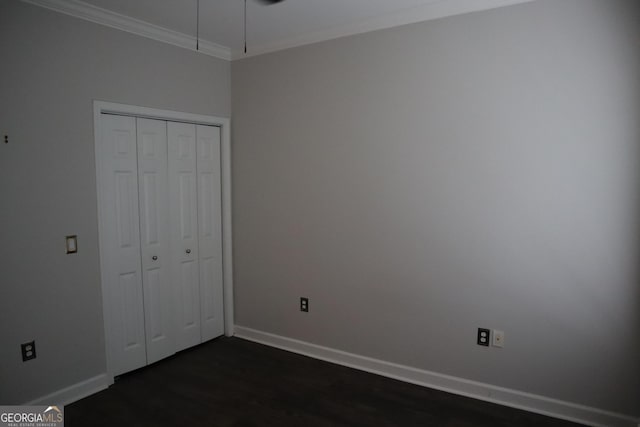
{"type": "Point", "coordinates": [74, 392]}
{"type": "Point", "coordinates": [487, 392]}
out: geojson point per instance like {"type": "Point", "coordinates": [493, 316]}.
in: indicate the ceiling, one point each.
{"type": "Point", "coordinates": [269, 28]}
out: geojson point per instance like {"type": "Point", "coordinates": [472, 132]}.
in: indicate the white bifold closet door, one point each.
{"type": "Point", "coordinates": [183, 208]}
{"type": "Point", "coordinates": [120, 243]}
{"type": "Point", "coordinates": [210, 231]}
{"type": "Point", "coordinates": [154, 237]}
{"type": "Point", "coordinates": [161, 243]}
{"type": "Point", "coordinates": [195, 217]}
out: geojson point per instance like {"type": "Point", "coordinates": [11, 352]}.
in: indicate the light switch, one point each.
{"type": "Point", "coordinates": [72, 244]}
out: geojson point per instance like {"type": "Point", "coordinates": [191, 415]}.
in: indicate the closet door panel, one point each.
{"type": "Point", "coordinates": [188, 291]}
{"type": "Point", "coordinates": [184, 232]}
{"type": "Point", "coordinates": [154, 236]}
{"type": "Point", "coordinates": [210, 231]}
{"type": "Point", "coordinates": [120, 244]}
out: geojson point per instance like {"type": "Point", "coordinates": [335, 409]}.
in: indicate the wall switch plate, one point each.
{"type": "Point", "coordinates": [71, 243]}
{"type": "Point", "coordinates": [28, 351]}
{"type": "Point", "coordinates": [498, 338]}
{"type": "Point", "coordinates": [304, 304]}
{"type": "Point", "coordinates": [483, 337]}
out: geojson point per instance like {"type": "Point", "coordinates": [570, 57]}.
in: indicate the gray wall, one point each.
{"type": "Point", "coordinates": [475, 171]}
{"type": "Point", "coordinates": [53, 67]}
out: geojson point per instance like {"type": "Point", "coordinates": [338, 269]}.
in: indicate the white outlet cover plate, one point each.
{"type": "Point", "coordinates": [498, 338]}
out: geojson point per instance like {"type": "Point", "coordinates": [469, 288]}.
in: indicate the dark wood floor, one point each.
{"type": "Point", "coordinates": [232, 382]}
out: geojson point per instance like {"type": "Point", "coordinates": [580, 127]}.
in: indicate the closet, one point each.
{"type": "Point", "coordinates": [161, 237]}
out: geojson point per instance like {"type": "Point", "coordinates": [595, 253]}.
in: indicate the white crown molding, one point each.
{"type": "Point", "coordinates": [456, 385]}
{"type": "Point", "coordinates": [434, 10]}
{"type": "Point", "coordinates": [111, 19]}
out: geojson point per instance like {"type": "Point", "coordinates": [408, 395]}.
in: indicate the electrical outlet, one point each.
{"type": "Point", "coordinates": [498, 338]}
{"type": "Point", "coordinates": [28, 351]}
{"type": "Point", "coordinates": [483, 337]}
{"type": "Point", "coordinates": [304, 304]}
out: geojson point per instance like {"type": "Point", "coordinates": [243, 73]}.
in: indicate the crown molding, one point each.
{"type": "Point", "coordinates": [433, 10]}
{"type": "Point", "coordinates": [111, 19]}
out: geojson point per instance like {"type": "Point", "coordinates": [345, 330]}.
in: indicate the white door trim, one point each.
{"type": "Point", "coordinates": [100, 107]}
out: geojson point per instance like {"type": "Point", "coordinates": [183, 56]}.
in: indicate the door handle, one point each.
{"type": "Point", "coordinates": [155, 257]}
{"type": "Point", "coordinates": [188, 251]}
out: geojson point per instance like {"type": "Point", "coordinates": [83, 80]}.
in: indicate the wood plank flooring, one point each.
{"type": "Point", "coordinates": [233, 382]}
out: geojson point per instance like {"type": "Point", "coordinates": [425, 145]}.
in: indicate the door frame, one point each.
{"type": "Point", "coordinates": [100, 107]}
